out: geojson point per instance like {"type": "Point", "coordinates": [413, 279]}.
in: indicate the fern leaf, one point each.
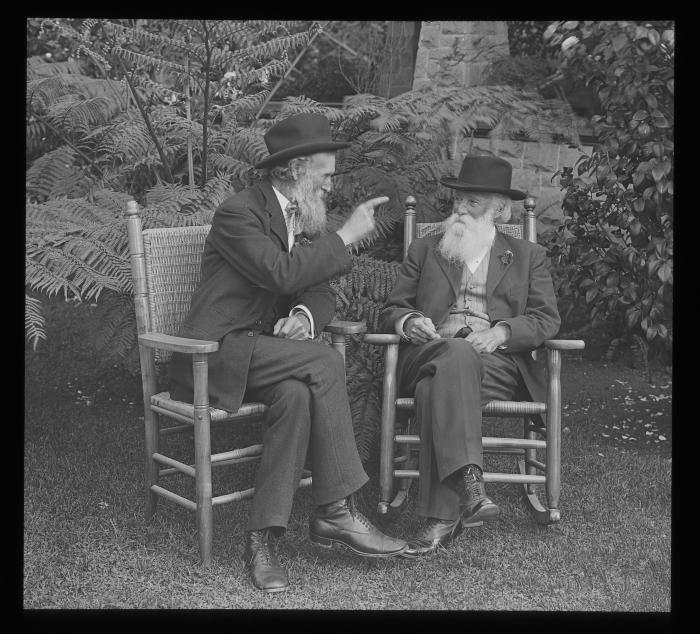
{"type": "Point", "coordinates": [34, 325]}
{"type": "Point", "coordinates": [55, 174]}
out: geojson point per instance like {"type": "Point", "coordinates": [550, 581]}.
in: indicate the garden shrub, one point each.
{"type": "Point", "coordinates": [613, 254]}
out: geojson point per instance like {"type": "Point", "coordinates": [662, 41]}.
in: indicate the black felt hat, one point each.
{"type": "Point", "coordinates": [299, 135]}
{"type": "Point", "coordinates": [485, 174]}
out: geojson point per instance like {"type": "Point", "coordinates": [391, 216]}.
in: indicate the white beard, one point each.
{"type": "Point", "coordinates": [311, 217]}
{"type": "Point", "coordinates": [466, 237]}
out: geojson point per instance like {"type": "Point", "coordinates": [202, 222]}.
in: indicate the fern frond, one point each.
{"type": "Point", "coordinates": [248, 103]}
{"type": "Point", "coordinates": [75, 116]}
{"type": "Point", "coordinates": [117, 319]}
{"type": "Point", "coordinates": [248, 145]}
{"type": "Point", "coordinates": [34, 324]}
{"type": "Point", "coordinates": [37, 67]}
{"type": "Point", "coordinates": [272, 48]}
{"type": "Point", "coordinates": [149, 60]}
{"type": "Point", "coordinates": [55, 174]}
{"type": "Point", "coordinates": [229, 165]}
{"type": "Point", "coordinates": [122, 141]}
{"type": "Point", "coordinates": [148, 39]}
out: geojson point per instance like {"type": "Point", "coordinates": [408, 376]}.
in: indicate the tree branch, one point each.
{"type": "Point", "coordinates": [147, 121]}
{"type": "Point", "coordinates": [205, 121]}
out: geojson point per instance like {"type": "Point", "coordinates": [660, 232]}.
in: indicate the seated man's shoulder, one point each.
{"type": "Point", "coordinates": [524, 245]}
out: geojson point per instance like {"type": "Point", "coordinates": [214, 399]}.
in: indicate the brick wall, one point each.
{"type": "Point", "coordinates": [452, 53]}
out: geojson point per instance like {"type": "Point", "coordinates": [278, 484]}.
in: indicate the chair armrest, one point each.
{"type": "Point", "coordinates": [564, 344]}
{"type": "Point", "coordinates": [380, 339]}
{"type": "Point", "coordinates": [346, 327]}
{"type": "Point", "coordinates": [177, 344]}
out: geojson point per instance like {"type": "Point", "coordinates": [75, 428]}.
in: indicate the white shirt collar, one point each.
{"type": "Point", "coordinates": [281, 198]}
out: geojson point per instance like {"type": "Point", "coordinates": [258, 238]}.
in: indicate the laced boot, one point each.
{"type": "Point", "coordinates": [475, 507]}
{"type": "Point", "coordinates": [261, 561]}
{"type": "Point", "coordinates": [341, 523]}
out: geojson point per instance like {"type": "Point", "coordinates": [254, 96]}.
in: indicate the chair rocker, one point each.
{"type": "Point", "coordinates": [165, 267]}
{"type": "Point", "coordinates": [537, 450]}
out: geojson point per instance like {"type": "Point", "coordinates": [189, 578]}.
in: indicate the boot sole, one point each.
{"type": "Point", "coordinates": [328, 543]}
{"type": "Point", "coordinates": [488, 514]}
{"type": "Point", "coordinates": [273, 590]}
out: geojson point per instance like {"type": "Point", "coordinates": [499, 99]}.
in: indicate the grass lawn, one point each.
{"type": "Point", "coordinates": [86, 544]}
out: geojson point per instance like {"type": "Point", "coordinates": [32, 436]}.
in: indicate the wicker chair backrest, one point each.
{"type": "Point", "coordinates": [432, 228]}
{"type": "Point", "coordinates": [173, 266]}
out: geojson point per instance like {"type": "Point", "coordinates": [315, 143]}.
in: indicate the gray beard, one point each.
{"type": "Point", "coordinates": [465, 237]}
{"type": "Point", "coordinates": [311, 217]}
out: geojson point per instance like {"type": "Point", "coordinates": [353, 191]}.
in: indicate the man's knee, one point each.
{"type": "Point", "coordinates": [292, 392]}
{"type": "Point", "coordinates": [330, 363]}
{"type": "Point", "coordinates": [457, 352]}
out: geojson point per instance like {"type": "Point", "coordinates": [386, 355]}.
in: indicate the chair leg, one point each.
{"type": "Point", "coordinates": [386, 450]}
{"type": "Point", "coordinates": [553, 472]}
{"type": "Point", "coordinates": [205, 514]}
{"type": "Point", "coordinates": [532, 492]}
{"type": "Point", "coordinates": [202, 458]}
{"type": "Point", "coordinates": [151, 429]}
{"type": "Point", "coordinates": [151, 441]}
{"type": "Point", "coordinates": [530, 454]}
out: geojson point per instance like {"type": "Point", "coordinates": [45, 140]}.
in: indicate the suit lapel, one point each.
{"type": "Point", "coordinates": [277, 224]}
{"type": "Point", "coordinates": [452, 272]}
{"type": "Point", "coordinates": [497, 266]}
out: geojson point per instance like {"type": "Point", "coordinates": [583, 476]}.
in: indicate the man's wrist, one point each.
{"type": "Point", "coordinates": [303, 318]}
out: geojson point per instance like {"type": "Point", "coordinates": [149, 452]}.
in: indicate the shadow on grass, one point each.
{"type": "Point", "coordinates": [86, 544]}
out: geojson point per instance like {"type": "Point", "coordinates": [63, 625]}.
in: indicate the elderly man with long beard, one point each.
{"type": "Point", "coordinates": [471, 304]}
{"type": "Point", "coordinates": [265, 299]}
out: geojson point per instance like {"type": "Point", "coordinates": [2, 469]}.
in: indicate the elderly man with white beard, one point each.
{"type": "Point", "coordinates": [264, 295]}
{"type": "Point", "coordinates": [470, 304]}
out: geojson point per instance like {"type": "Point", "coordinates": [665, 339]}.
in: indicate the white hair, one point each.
{"type": "Point", "coordinates": [500, 204]}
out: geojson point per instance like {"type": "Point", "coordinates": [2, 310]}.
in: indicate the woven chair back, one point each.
{"type": "Point", "coordinates": [173, 259]}
{"type": "Point", "coordinates": [432, 228]}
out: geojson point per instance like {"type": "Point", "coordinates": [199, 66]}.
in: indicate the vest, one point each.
{"type": "Point", "coordinates": [469, 308]}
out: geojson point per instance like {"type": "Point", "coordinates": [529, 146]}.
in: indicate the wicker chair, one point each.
{"type": "Point", "coordinates": [165, 266]}
{"type": "Point", "coordinates": [538, 473]}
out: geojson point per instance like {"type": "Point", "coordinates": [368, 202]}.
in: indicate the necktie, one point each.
{"type": "Point", "coordinates": [291, 215]}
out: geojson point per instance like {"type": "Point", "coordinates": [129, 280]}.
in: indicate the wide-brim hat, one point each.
{"type": "Point", "coordinates": [299, 135]}
{"type": "Point", "coordinates": [488, 174]}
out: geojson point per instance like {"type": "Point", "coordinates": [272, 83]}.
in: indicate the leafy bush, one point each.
{"type": "Point", "coordinates": [613, 255]}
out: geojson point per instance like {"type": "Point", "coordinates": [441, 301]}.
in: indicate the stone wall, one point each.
{"type": "Point", "coordinates": [457, 53]}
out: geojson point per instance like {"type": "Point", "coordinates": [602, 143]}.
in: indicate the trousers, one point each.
{"type": "Point", "coordinates": [303, 385]}
{"type": "Point", "coordinates": [451, 382]}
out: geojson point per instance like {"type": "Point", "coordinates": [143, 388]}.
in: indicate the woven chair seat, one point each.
{"type": "Point", "coordinates": [163, 400]}
{"type": "Point", "coordinates": [493, 408]}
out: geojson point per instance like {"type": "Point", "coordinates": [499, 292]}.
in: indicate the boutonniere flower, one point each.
{"type": "Point", "coordinates": [302, 241]}
{"type": "Point", "coordinates": [506, 257]}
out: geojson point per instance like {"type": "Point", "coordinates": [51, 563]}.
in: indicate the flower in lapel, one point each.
{"type": "Point", "coordinates": [301, 241]}
{"type": "Point", "coordinates": [506, 257]}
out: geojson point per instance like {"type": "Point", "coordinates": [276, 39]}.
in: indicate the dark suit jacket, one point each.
{"type": "Point", "coordinates": [519, 293]}
{"type": "Point", "coordinates": [249, 280]}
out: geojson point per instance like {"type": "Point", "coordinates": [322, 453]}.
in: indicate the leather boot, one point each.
{"type": "Point", "coordinates": [341, 523]}
{"type": "Point", "coordinates": [261, 561]}
{"type": "Point", "coordinates": [435, 535]}
{"type": "Point", "coordinates": [475, 507]}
